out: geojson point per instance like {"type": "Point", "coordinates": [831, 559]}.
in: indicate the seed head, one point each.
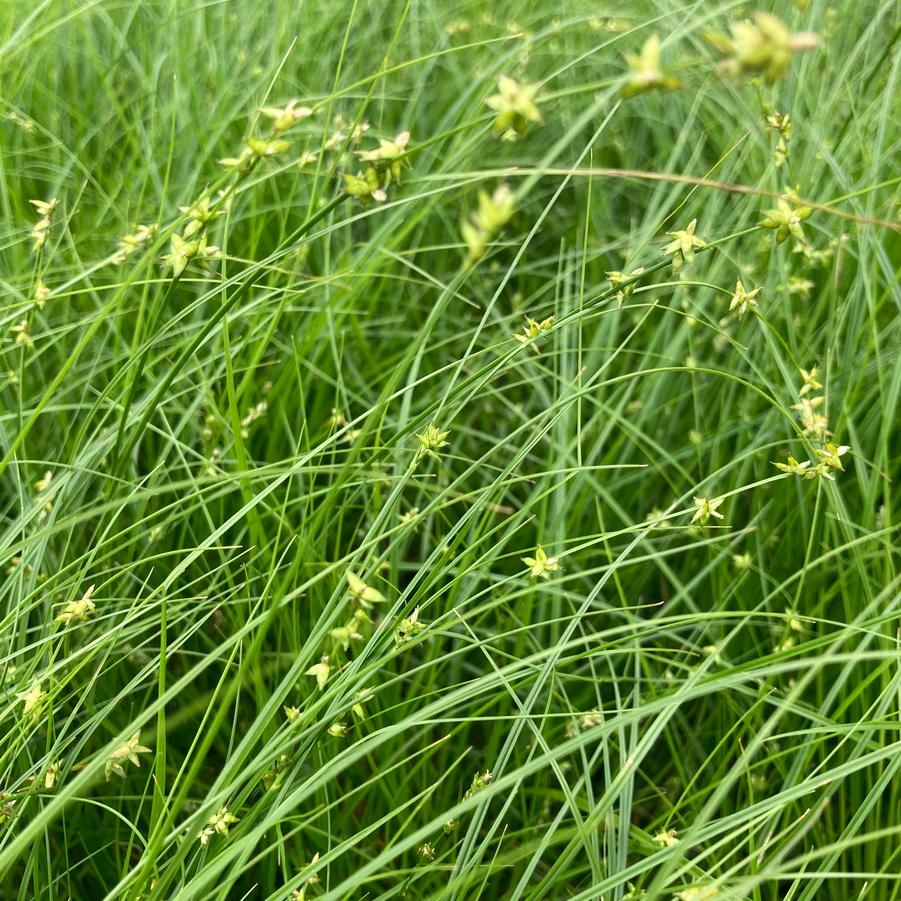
{"type": "Point", "coordinates": [32, 699]}
{"type": "Point", "coordinates": [362, 593]}
{"type": "Point", "coordinates": [705, 508]}
{"type": "Point", "coordinates": [286, 116]}
{"type": "Point", "coordinates": [321, 671]}
{"type": "Point", "coordinates": [682, 247]}
{"type": "Point", "coordinates": [494, 212]}
{"type": "Point", "coordinates": [515, 106]}
{"type": "Point", "coordinates": [786, 220]}
{"type": "Point", "coordinates": [541, 566]}
{"type": "Point", "coordinates": [666, 838]}
{"type": "Point", "coordinates": [645, 71]}
{"type": "Point", "coordinates": [125, 753]}
{"type": "Point", "coordinates": [77, 611]}
{"type": "Point", "coordinates": [217, 823]}
{"type": "Point", "coordinates": [408, 628]}
{"type": "Point", "coordinates": [532, 330]}
{"type": "Point", "coordinates": [430, 442]}
{"type": "Point", "coordinates": [766, 46]}
{"type": "Point", "coordinates": [742, 300]}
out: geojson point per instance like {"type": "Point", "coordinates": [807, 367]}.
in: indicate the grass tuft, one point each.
{"type": "Point", "coordinates": [448, 451]}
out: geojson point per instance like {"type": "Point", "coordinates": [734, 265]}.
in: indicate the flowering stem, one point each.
{"type": "Point", "coordinates": [139, 368]}
{"type": "Point", "coordinates": [609, 292]}
{"type": "Point", "coordinates": [214, 320]}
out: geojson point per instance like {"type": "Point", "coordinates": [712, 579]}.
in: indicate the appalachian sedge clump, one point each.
{"type": "Point", "coordinates": [448, 451]}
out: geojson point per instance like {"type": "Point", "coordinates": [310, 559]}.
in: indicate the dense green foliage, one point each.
{"type": "Point", "coordinates": [272, 459]}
